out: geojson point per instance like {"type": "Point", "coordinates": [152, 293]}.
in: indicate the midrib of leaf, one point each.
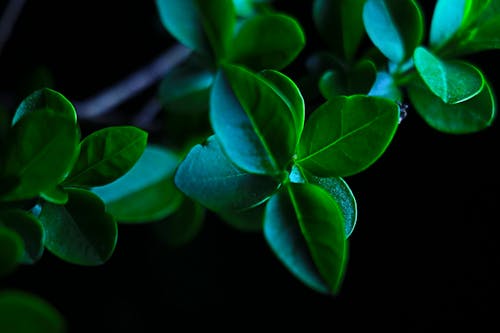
{"type": "Point", "coordinates": [442, 72]}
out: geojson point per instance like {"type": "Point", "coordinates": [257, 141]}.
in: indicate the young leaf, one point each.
{"type": "Point", "coordinates": [29, 229]}
{"type": "Point", "coordinates": [106, 155]}
{"type": "Point", "coordinates": [470, 116]}
{"type": "Point", "coordinates": [394, 26]}
{"type": "Point", "coordinates": [267, 41]}
{"type": "Point", "coordinates": [80, 232]}
{"type": "Point", "coordinates": [304, 227]}
{"type": "Point", "coordinates": [147, 192]}
{"type": "Point", "coordinates": [255, 127]}
{"type": "Point", "coordinates": [209, 177]}
{"type": "Point", "coordinates": [447, 19]}
{"type": "Point", "coordinates": [452, 81]}
{"type": "Point", "coordinates": [21, 312]}
{"type": "Point", "coordinates": [340, 24]}
{"type": "Point", "coordinates": [346, 135]}
{"type": "Point", "coordinates": [204, 26]}
{"type": "Point", "coordinates": [11, 251]}
{"type": "Point", "coordinates": [384, 86]}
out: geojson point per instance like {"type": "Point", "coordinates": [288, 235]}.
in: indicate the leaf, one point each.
{"type": "Point", "coordinates": [147, 192]}
{"type": "Point", "coordinates": [249, 220]}
{"type": "Point", "coordinates": [106, 155]}
{"type": "Point", "coordinates": [483, 37]}
{"type": "Point", "coordinates": [338, 189]}
{"type": "Point", "coordinates": [385, 86]}
{"type": "Point", "coordinates": [253, 124]}
{"type": "Point", "coordinates": [470, 116]}
{"type": "Point", "coordinates": [290, 93]}
{"type": "Point", "coordinates": [304, 227]}
{"type": "Point", "coordinates": [56, 195]}
{"type": "Point", "coordinates": [346, 135]}
{"type": "Point", "coordinates": [267, 41]}
{"type": "Point", "coordinates": [207, 176]}
{"type": "Point", "coordinates": [11, 251]}
{"type": "Point", "coordinates": [21, 312]}
{"type": "Point", "coordinates": [29, 229]}
{"type": "Point", "coordinates": [42, 149]}
{"type": "Point", "coordinates": [394, 26]}
{"type": "Point", "coordinates": [80, 232]}
{"type": "Point", "coordinates": [340, 24]}
{"type": "Point", "coordinates": [452, 81]}
{"type": "Point", "coordinates": [447, 19]}
{"type": "Point", "coordinates": [204, 26]}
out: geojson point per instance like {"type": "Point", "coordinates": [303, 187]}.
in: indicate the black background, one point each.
{"type": "Point", "coordinates": [424, 254]}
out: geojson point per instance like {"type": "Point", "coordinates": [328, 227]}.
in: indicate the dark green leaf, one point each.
{"type": "Point", "coordinates": [29, 229]}
{"type": "Point", "coordinates": [394, 26]}
{"type": "Point", "coordinates": [305, 228]}
{"type": "Point", "coordinates": [80, 232]}
{"type": "Point", "coordinates": [147, 192]}
{"type": "Point", "coordinates": [209, 177]}
{"type": "Point", "coordinates": [346, 135]}
{"type": "Point", "coordinates": [384, 86]}
{"type": "Point", "coordinates": [452, 81]}
{"type": "Point", "coordinates": [470, 116]}
{"type": "Point", "coordinates": [250, 220]}
{"type": "Point", "coordinates": [106, 155]}
{"type": "Point", "coordinates": [340, 24]}
{"type": "Point", "coordinates": [484, 37]}
{"type": "Point", "coordinates": [204, 26]}
{"type": "Point", "coordinates": [21, 312]}
{"type": "Point", "coordinates": [254, 125]}
{"type": "Point", "coordinates": [11, 251]}
{"type": "Point", "coordinates": [268, 41]}
{"type": "Point", "coordinates": [356, 80]}
{"type": "Point", "coordinates": [55, 195]}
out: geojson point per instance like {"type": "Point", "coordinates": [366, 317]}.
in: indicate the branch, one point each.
{"type": "Point", "coordinates": [8, 20]}
{"type": "Point", "coordinates": [132, 85]}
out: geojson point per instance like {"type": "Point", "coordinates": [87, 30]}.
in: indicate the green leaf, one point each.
{"type": "Point", "coordinates": [80, 232]}
{"type": "Point", "coordinates": [452, 81]}
{"type": "Point", "coordinates": [483, 37]}
{"type": "Point", "coordinates": [21, 312]}
{"type": "Point", "coordinates": [55, 195]}
{"type": "Point", "coordinates": [249, 220]}
{"type": "Point", "coordinates": [29, 229]}
{"type": "Point", "coordinates": [209, 177]}
{"type": "Point", "coordinates": [290, 93]}
{"type": "Point", "coordinates": [47, 101]}
{"type": "Point", "coordinates": [267, 41]}
{"type": "Point", "coordinates": [11, 251]}
{"type": "Point", "coordinates": [340, 24]}
{"type": "Point", "coordinates": [42, 149]}
{"type": "Point", "coordinates": [304, 227]}
{"type": "Point", "coordinates": [385, 86]}
{"type": "Point", "coordinates": [394, 26]}
{"type": "Point", "coordinates": [338, 189]}
{"type": "Point", "coordinates": [346, 135]}
{"type": "Point", "coordinates": [204, 26]}
{"type": "Point", "coordinates": [447, 19]}
{"type": "Point", "coordinates": [254, 125]}
{"type": "Point", "coordinates": [106, 155]}
{"type": "Point", "coordinates": [470, 116]}
{"type": "Point", "coordinates": [182, 226]}
{"type": "Point", "coordinates": [147, 192]}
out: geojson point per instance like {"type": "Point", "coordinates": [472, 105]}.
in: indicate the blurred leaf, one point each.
{"type": "Point", "coordinates": [340, 24]}
{"type": "Point", "coordinates": [21, 312]}
{"type": "Point", "coordinates": [470, 116]}
{"type": "Point", "coordinates": [304, 227]}
{"type": "Point", "coordinates": [346, 135]}
{"type": "Point", "coordinates": [267, 41]}
{"type": "Point", "coordinates": [11, 252]}
{"type": "Point", "coordinates": [249, 220]}
{"type": "Point", "coordinates": [79, 232]}
{"type": "Point", "coordinates": [147, 192]}
{"type": "Point", "coordinates": [209, 177]}
{"type": "Point", "coordinates": [253, 124]}
{"type": "Point", "coordinates": [356, 80]}
{"type": "Point", "coordinates": [29, 229]}
{"type": "Point", "coordinates": [483, 37]}
{"type": "Point", "coordinates": [452, 81]}
{"type": "Point", "coordinates": [394, 26]}
{"type": "Point", "coordinates": [447, 19]}
{"type": "Point", "coordinates": [106, 155]}
{"type": "Point", "coordinates": [384, 86]}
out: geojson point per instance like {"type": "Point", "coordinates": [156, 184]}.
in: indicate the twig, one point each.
{"type": "Point", "coordinates": [132, 85]}
{"type": "Point", "coordinates": [8, 20]}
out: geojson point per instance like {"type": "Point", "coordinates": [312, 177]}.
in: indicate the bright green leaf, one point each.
{"type": "Point", "coordinates": [253, 123]}
{"type": "Point", "coordinates": [452, 81]}
{"type": "Point", "coordinates": [484, 37]}
{"type": "Point", "coordinates": [304, 227]}
{"type": "Point", "coordinates": [106, 155]}
{"type": "Point", "coordinates": [209, 177]}
{"type": "Point", "coordinates": [346, 135]}
{"type": "Point", "coordinates": [21, 312]}
{"type": "Point", "coordinates": [11, 251]}
{"type": "Point", "coordinates": [267, 41]}
{"type": "Point", "coordinates": [147, 192]}
{"type": "Point", "coordinates": [81, 231]}
{"type": "Point", "coordinates": [394, 26]}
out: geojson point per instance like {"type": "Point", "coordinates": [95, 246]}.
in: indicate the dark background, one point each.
{"type": "Point", "coordinates": [424, 254]}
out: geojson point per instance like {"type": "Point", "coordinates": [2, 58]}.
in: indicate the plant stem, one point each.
{"type": "Point", "coordinates": [132, 85]}
{"type": "Point", "coordinates": [8, 20]}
